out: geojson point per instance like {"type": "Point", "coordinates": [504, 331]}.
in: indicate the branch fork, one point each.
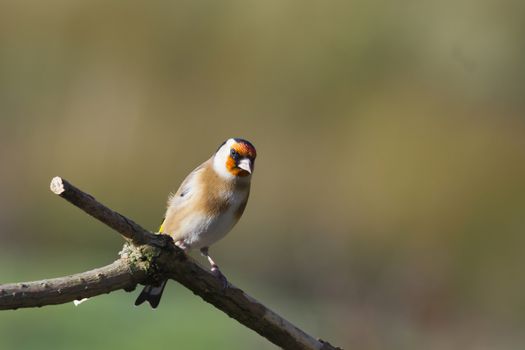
{"type": "Point", "coordinates": [147, 257]}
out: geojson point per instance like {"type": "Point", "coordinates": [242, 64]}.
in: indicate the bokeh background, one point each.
{"type": "Point", "coordinates": [387, 207]}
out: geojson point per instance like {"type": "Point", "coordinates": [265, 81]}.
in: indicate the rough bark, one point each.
{"type": "Point", "coordinates": [146, 258]}
{"type": "Point", "coordinates": [75, 287]}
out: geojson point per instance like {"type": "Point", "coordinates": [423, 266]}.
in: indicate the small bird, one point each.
{"type": "Point", "coordinates": [208, 203]}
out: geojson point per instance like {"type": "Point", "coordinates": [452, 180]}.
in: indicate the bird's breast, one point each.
{"type": "Point", "coordinates": [202, 228]}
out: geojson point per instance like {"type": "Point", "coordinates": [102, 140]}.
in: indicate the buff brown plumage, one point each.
{"type": "Point", "coordinates": [208, 203]}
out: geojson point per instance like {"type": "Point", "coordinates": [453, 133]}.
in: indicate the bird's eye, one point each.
{"type": "Point", "coordinates": [234, 154]}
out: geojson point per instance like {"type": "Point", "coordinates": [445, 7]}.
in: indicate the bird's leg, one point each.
{"type": "Point", "coordinates": [215, 268]}
{"type": "Point", "coordinates": [182, 245]}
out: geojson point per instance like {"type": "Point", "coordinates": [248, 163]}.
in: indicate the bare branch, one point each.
{"type": "Point", "coordinates": [126, 227]}
{"type": "Point", "coordinates": [242, 307]}
{"type": "Point", "coordinates": [152, 258]}
{"type": "Point", "coordinates": [75, 287]}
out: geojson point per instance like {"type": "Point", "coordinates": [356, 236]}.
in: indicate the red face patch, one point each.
{"type": "Point", "coordinates": [245, 149]}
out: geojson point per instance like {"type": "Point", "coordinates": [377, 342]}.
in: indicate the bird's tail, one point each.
{"type": "Point", "coordinates": [152, 294]}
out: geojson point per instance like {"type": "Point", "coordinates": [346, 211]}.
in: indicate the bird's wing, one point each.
{"type": "Point", "coordinates": [183, 195]}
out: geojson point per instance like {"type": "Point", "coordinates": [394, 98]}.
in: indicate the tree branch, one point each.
{"type": "Point", "coordinates": [148, 258]}
{"type": "Point", "coordinates": [126, 227]}
{"type": "Point", "coordinates": [75, 287]}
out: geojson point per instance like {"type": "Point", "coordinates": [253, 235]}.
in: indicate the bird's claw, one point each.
{"type": "Point", "coordinates": [222, 279]}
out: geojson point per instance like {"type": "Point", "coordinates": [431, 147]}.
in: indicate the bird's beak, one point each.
{"type": "Point", "coordinates": [246, 164]}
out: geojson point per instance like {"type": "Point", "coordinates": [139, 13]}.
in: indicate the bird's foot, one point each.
{"type": "Point", "coordinates": [222, 279]}
{"type": "Point", "coordinates": [182, 245]}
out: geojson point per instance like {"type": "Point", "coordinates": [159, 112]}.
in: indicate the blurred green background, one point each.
{"type": "Point", "coordinates": [387, 207]}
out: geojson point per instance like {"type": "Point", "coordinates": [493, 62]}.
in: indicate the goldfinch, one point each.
{"type": "Point", "coordinates": [208, 203]}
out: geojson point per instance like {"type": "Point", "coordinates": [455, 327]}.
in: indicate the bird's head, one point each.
{"type": "Point", "coordinates": [235, 158]}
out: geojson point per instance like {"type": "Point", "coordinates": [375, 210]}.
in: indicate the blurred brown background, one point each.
{"type": "Point", "coordinates": [387, 209]}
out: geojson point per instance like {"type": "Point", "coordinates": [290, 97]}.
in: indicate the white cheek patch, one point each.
{"type": "Point", "coordinates": [220, 159]}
